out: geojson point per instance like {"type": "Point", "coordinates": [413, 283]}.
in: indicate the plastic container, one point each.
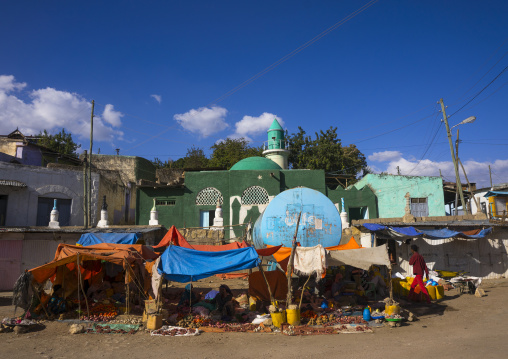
{"type": "Point", "coordinates": [154, 322]}
{"type": "Point", "coordinates": [432, 291]}
{"type": "Point", "coordinates": [252, 304]}
{"type": "Point", "coordinates": [293, 316]}
{"type": "Point", "coordinates": [366, 315]}
{"type": "Point", "coordinates": [278, 318]}
{"type": "Point", "coordinates": [439, 292]}
{"type": "Point", "coordinates": [392, 309]}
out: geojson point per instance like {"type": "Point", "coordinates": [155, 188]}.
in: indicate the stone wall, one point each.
{"type": "Point", "coordinates": [22, 203]}
{"type": "Point", "coordinates": [203, 236]}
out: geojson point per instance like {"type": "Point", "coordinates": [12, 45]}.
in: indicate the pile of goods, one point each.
{"type": "Point", "coordinates": [106, 329]}
{"type": "Point", "coordinates": [333, 319]}
{"type": "Point", "coordinates": [101, 312]}
{"type": "Point", "coordinates": [174, 331]}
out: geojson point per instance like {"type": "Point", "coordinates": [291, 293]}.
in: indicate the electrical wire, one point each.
{"type": "Point", "coordinates": [293, 53]}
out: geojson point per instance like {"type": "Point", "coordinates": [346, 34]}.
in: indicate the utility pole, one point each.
{"type": "Point", "coordinates": [85, 195]}
{"type": "Point", "coordinates": [490, 174]}
{"type": "Point", "coordinates": [398, 170]}
{"type": "Point", "coordinates": [90, 169]}
{"type": "Point", "coordinates": [455, 166]}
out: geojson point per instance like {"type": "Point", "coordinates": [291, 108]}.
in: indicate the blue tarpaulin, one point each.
{"type": "Point", "coordinates": [398, 233]}
{"type": "Point", "coordinates": [496, 194]}
{"type": "Point", "coordinates": [448, 233]}
{"type": "Point", "coordinates": [185, 265]}
{"type": "Point", "coordinates": [89, 239]}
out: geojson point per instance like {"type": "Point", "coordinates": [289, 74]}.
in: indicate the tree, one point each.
{"type": "Point", "coordinates": [61, 142]}
{"type": "Point", "coordinates": [195, 158]}
{"type": "Point", "coordinates": [324, 152]}
{"type": "Point", "coordinates": [229, 151]}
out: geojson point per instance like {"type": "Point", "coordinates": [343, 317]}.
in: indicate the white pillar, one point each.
{"type": "Point", "coordinates": [103, 223]}
{"type": "Point", "coordinates": [53, 217]}
{"type": "Point", "coordinates": [343, 215]}
{"type": "Point", "coordinates": [154, 215]}
{"type": "Point", "coordinates": [218, 221]}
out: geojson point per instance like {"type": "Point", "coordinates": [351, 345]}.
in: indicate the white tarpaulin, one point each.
{"type": "Point", "coordinates": [310, 260]}
{"type": "Point", "coordinates": [360, 258]}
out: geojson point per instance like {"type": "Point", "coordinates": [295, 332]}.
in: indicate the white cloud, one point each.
{"type": "Point", "coordinates": [204, 121]}
{"type": "Point", "coordinates": [52, 110]}
{"type": "Point", "coordinates": [7, 84]}
{"type": "Point", "coordinates": [111, 116]}
{"type": "Point", "coordinates": [249, 125]}
{"type": "Point", "coordinates": [477, 172]}
{"type": "Point", "coordinates": [157, 98]}
{"type": "Point", "coordinates": [385, 156]}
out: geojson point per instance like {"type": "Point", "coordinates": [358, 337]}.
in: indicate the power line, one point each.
{"type": "Point", "coordinates": [293, 53]}
{"type": "Point", "coordinates": [483, 89]}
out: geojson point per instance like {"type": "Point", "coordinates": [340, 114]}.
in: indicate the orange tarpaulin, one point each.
{"type": "Point", "coordinates": [282, 255]}
{"type": "Point", "coordinates": [173, 237]}
{"type": "Point", "coordinates": [114, 253]}
{"type": "Point", "coordinates": [278, 285]}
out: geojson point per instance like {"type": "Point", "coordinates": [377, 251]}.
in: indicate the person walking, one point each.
{"type": "Point", "coordinates": [419, 267]}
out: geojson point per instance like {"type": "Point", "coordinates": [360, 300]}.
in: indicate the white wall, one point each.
{"type": "Point", "coordinates": [486, 257]}
{"type": "Point", "coordinates": [44, 182]}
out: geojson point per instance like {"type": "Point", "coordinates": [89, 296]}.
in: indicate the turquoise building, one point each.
{"type": "Point", "coordinates": [424, 193]}
{"type": "Point", "coordinates": [243, 192]}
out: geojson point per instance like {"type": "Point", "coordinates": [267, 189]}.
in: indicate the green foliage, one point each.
{"type": "Point", "coordinates": [324, 152]}
{"type": "Point", "coordinates": [61, 142]}
{"type": "Point", "coordinates": [195, 158]}
{"type": "Point", "coordinates": [229, 151]}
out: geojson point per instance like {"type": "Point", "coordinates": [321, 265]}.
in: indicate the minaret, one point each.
{"type": "Point", "coordinates": [276, 148]}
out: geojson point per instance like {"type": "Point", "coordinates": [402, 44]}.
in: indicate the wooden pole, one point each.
{"type": "Point", "coordinates": [90, 170]}
{"type": "Point", "coordinates": [289, 298]}
{"type": "Point", "coordinates": [303, 290]}
{"type": "Point", "coordinates": [79, 299]}
{"type": "Point", "coordinates": [272, 299]}
{"type": "Point", "coordinates": [477, 203]}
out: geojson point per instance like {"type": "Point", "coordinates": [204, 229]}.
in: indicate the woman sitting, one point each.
{"type": "Point", "coordinates": [224, 302]}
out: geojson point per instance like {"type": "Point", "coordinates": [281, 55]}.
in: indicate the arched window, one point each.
{"type": "Point", "coordinates": [255, 195]}
{"type": "Point", "coordinates": [208, 197]}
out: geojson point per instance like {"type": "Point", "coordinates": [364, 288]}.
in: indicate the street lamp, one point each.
{"type": "Point", "coordinates": [455, 160]}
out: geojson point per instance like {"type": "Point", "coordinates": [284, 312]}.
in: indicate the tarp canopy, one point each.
{"type": "Point", "coordinates": [88, 239]}
{"type": "Point", "coordinates": [444, 233]}
{"type": "Point", "coordinates": [174, 237]}
{"type": "Point", "coordinates": [360, 258]}
{"type": "Point", "coordinates": [496, 194]}
{"type": "Point", "coordinates": [398, 233]}
{"type": "Point", "coordinates": [185, 265]}
{"type": "Point", "coordinates": [119, 254]}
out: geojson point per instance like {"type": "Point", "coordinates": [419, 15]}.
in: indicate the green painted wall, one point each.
{"type": "Point", "coordinates": [390, 191]}
{"type": "Point", "coordinates": [232, 184]}
{"type": "Point", "coordinates": [354, 198]}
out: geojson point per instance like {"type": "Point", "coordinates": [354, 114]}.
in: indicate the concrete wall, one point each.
{"type": "Point", "coordinates": [44, 182]}
{"type": "Point", "coordinates": [485, 258]}
{"type": "Point", "coordinates": [390, 191]}
{"type": "Point", "coordinates": [232, 184]}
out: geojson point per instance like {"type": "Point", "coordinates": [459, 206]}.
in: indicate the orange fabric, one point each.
{"type": "Point", "coordinates": [472, 232]}
{"type": "Point", "coordinates": [282, 255]}
{"type": "Point", "coordinates": [173, 237]}
{"type": "Point", "coordinates": [224, 247]}
{"type": "Point", "coordinates": [115, 253]}
{"type": "Point", "coordinates": [349, 245]}
{"type": "Point", "coordinates": [278, 285]}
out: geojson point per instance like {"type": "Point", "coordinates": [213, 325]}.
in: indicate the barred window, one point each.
{"type": "Point", "coordinates": [208, 197]}
{"type": "Point", "coordinates": [255, 195]}
{"type": "Point", "coordinates": [165, 202]}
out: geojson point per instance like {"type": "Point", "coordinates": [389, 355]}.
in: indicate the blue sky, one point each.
{"type": "Point", "coordinates": [167, 75]}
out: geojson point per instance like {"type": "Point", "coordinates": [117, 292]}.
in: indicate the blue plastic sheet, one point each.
{"type": "Point", "coordinates": [448, 233]}
{"type": "Point", "coordinates": [89, 239]}
{"type": "Point", "coordinates": [185, 265]}
{"type": "Point", "coordinates": [496, 194]}
{"type": "Point", "coordinates": [398, 233]}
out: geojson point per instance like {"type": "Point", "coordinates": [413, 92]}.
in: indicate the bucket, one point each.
{"type": "Point", "coordinates": [439, 292]}
{"type": "Point", "coordinates": [392, 309]}
{"type": "Point", "coordinates": [154, 322]}
{"type": "Point", "coordinates": [278, 318]}
{"type": "Point", "coordinates": [293, 316]}
{"type": "Point", "coordinates": [432, 291]}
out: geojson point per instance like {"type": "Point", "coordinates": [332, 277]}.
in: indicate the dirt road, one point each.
{"type": "Point", "coordinates": [459, 327]}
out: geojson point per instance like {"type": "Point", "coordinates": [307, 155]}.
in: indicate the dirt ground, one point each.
{"type": "Point", "coordinates": [460, 326]}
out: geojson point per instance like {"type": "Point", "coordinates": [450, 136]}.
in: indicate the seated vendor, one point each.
{"type": "Point", "coordinates": [379, 283]}
{"type": "Point", "coordinates": [224, 302]}
{"type": "Point", "coordinates": [56, 304]}
{"type": "Point", "coordinates": [339, 287]}
{"type": "Point", "coordinates": [188, 297]}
